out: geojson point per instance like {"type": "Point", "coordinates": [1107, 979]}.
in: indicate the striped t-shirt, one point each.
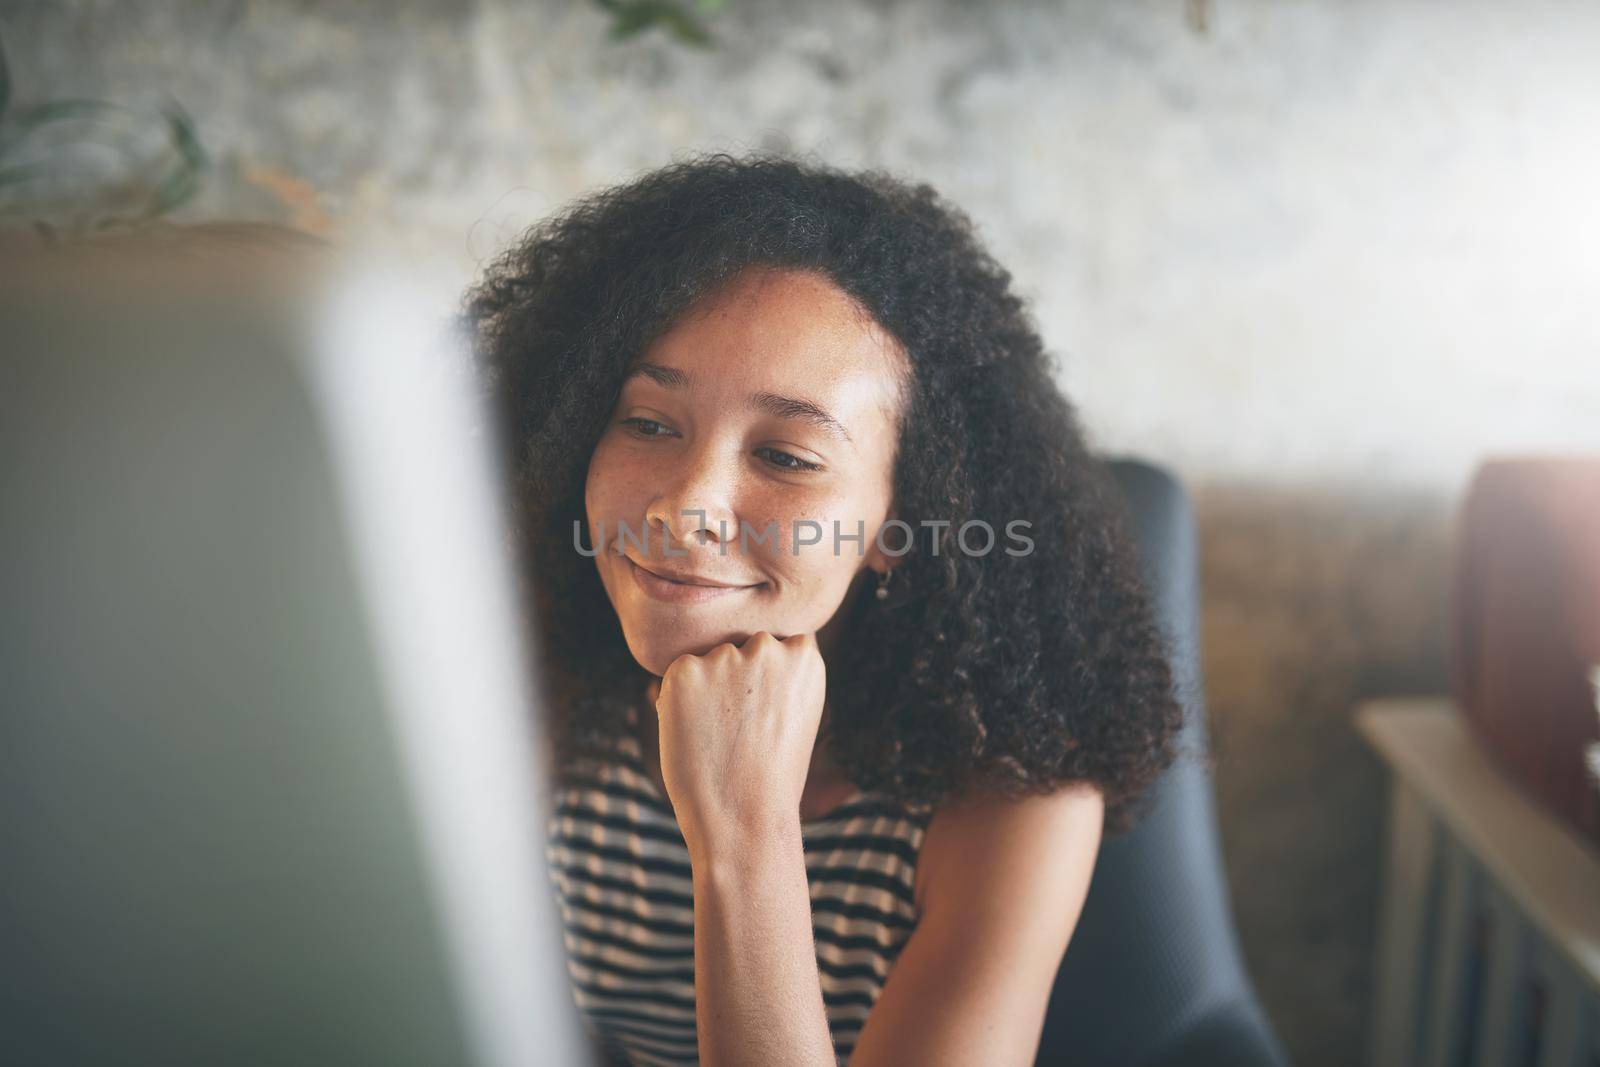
{"type": "Point", "coordinates": [621, 873]}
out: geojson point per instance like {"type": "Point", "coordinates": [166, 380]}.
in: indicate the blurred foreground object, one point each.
{"type": "Point", "coordinates": [1527, 626]}
{"type": "Point", "coordinates": [268, 785]}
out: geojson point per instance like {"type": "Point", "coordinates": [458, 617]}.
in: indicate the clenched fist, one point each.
{"type": "Point", "coordinates": [736, 730]}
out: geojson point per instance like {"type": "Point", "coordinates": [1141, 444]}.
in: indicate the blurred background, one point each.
{"type": "Point", "coordinates": [1319, 259]}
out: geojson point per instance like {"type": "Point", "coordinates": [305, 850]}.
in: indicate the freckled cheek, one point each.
{"type": "Point", "coordinates": [773, 512]}
{"type": "Point", "coordinates": [616, 490]}
{"type": "Point", "coordinates": [801, 555]}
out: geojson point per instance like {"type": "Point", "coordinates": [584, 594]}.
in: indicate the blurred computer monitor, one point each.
{"type": "Point", "coordinates": [270, 774]}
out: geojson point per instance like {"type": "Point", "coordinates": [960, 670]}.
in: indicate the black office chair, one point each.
{"type": "Point", "coordinates": [1154, 975]}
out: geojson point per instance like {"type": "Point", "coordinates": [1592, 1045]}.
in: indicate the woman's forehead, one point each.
{"type": "Point", "coordinates": [790, 333]}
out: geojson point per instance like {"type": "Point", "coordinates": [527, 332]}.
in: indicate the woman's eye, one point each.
{"type": "Point", "coordinates": [640, 425]}
{"type": "Point", "coordinates": [650, 428]}
{"type": "Point", "coordinates": [788, 462]}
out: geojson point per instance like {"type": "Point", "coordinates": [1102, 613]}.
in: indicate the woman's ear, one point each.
{"type": "Point", "coordinates": [880, 562]}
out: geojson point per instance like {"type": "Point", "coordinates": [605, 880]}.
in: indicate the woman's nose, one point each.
{"type": "Point", "coordinates": [694, 505]}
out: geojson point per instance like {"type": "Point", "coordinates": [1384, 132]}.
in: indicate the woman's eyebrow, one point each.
{"type": "Point", "coordinates": [667, 377]}
{"type": "Point", "coordinates": [790, 407]}
{"type": "Point", "coordinates": [784, 407]}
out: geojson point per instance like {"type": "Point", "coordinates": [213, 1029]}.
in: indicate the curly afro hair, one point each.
{"type": "Point", "coordinates": [1014, 673]}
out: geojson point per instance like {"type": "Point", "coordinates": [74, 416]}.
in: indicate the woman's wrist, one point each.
{"type": "Point", "coordinates": [736, 843]}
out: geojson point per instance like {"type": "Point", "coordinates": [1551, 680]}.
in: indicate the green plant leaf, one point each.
{"type": "Point", "coordinates": [686, 27]}
{"type": "Point", "coordinates": [633, 17]}
{"type": "Point", "coordinates": [29, 121]}
{"type": "Point", "coordinates": [182, 159]}
{"type": "Point", "coordinates": [631, 21]}
{"type": "Point", "coordinates": [183, 180]}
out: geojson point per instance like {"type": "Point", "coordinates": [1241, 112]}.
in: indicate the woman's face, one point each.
{"type": "Point", "coordinates": [773, 405]}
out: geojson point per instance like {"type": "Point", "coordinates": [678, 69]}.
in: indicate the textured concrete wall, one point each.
{"type": "Point", "coordinates": [1320, 258]}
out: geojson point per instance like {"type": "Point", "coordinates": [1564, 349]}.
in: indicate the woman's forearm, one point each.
{"type": "Point", "coordinates": [758, 998]}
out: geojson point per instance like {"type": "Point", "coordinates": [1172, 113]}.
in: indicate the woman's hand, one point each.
{"type": "Point", "coordinates": [737, 726]}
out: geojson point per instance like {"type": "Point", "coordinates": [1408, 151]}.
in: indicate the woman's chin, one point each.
{"type": "Point", "coordinates": [655, 652]}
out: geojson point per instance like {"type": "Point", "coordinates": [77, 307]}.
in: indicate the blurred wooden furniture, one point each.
{"type": "Point", "coordinates": [1489, 935]}
{"type": "Point", "coordinates": [1525, 617]}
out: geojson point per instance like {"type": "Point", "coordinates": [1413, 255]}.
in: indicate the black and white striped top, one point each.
{"type": "Point", "coordinates": [621, 873]}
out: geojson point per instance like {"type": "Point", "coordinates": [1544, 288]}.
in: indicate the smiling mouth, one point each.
{"type": "Point", "coordinates": [668, 589]}
{"type": "Point", "coordinates": [689, 579]}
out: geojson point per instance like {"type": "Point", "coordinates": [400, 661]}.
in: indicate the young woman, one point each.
{"type": "Point", "coordinates": [834, 760]}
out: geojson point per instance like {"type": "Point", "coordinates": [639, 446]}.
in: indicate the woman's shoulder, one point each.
{"type": "Point", "coordinates": [981, 838]}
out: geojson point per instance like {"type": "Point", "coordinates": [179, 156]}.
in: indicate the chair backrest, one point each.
{"type": "Point", "coordinates": [1154, 973]}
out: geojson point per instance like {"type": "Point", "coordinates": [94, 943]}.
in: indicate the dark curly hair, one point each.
{"type": "Point", "coordinates": [1019, 673]}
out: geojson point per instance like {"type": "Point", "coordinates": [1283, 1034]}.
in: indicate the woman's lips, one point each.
{"type": "Point", "coordinates": [658, 588]}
